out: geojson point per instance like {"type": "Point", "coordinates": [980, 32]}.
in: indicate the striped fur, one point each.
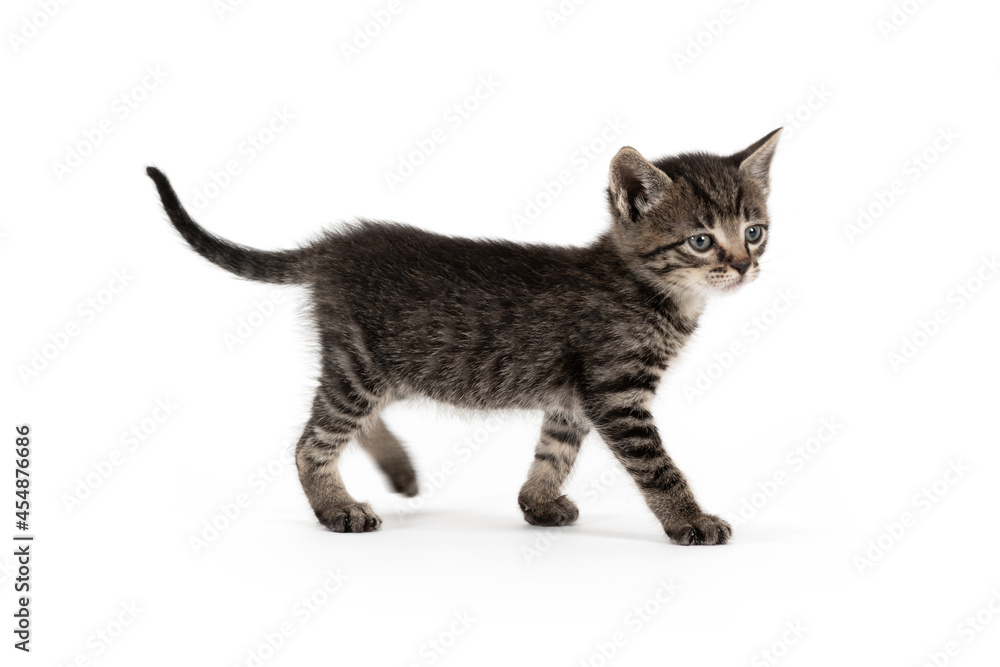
{"type": "Point", "coordinates": [581, 333]}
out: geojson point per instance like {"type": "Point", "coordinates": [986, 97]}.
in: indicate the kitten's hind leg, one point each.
{"type": "Point", "coordinates": [340, 412]}
{"type": "Point", "coordinates": [390, 456]}
{"type": "Point", "coordinates": [541, 497]}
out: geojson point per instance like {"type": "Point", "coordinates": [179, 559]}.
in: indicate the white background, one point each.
{"type": "Point", "coordinates": [859, 102]}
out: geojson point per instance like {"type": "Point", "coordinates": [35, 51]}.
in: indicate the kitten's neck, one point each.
{"type": "Point", "coordinates": [686, 303]}
{"type": "Point", "coordinates": [690, 305]}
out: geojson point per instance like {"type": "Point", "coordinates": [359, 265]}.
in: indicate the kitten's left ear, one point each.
{"type": "Point", "coordinates": [635, 185]}
{"type": "Point", "coordinates": [755, 159]}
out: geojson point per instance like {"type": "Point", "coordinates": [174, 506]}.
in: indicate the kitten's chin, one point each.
{"type": "Point", "coordinates": [732, 285]}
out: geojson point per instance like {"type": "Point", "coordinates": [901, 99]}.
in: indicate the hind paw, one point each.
{"type": "Point", "coordinates": [350, 518]}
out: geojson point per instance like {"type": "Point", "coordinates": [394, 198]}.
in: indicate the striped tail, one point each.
{"type": "Point", "coordinates": [287, 266]}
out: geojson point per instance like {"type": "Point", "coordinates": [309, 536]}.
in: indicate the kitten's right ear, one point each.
{"type": "Point", "coordinates": [636, 186]}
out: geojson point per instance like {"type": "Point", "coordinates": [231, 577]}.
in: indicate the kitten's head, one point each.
{"type": "Point", "coordinates": [696, 223]}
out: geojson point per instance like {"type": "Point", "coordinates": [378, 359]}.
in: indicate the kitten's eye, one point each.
{"type": "Point", "coordinates": [754, 233]}
{"type": "Point", "coordinates": [701, 243]}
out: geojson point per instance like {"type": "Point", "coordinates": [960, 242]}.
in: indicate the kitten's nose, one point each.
{"type": "Point", "coordinates": [741, 266]}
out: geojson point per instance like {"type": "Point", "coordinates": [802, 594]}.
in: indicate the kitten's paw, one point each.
{"type": "Point", "coordinates": [350, 518]}
{"type": "Point", "coordinates": [559, 512]}
{"type": "Point", "coordinates": [405, 483]}
{"type": "Point", "coordinates": [699, 529]}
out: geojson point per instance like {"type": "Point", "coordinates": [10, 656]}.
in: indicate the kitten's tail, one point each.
{"type": "Point", "coordinates": [286, 266]}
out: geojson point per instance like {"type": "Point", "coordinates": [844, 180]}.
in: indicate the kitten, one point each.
{"type": "Point", "coordinates": [582, 333]}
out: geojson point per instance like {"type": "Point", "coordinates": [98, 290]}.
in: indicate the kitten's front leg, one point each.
{"type": "Point", "coordinates": [628, 429]}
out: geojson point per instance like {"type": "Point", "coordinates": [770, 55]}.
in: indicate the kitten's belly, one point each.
{"type": "Point", "coordinates": [479, 392]}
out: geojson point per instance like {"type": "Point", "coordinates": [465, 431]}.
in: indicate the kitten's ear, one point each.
{"type": "Point", "coordinates": [755, 159]}
{"type": "Point", "coordinates": [636, 185]}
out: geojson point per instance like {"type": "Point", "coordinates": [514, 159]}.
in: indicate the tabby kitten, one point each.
{"type": "Point", "coordinates": [582, 333]}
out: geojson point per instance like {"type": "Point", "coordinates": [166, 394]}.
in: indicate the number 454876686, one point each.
{"type": "Point", "coordinates": [22, 450]}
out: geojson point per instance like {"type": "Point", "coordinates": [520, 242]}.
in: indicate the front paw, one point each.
{"type": "Point", "coordinates": [559, 512]}
{"type": "Point", "coordinates": [699, 529]}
